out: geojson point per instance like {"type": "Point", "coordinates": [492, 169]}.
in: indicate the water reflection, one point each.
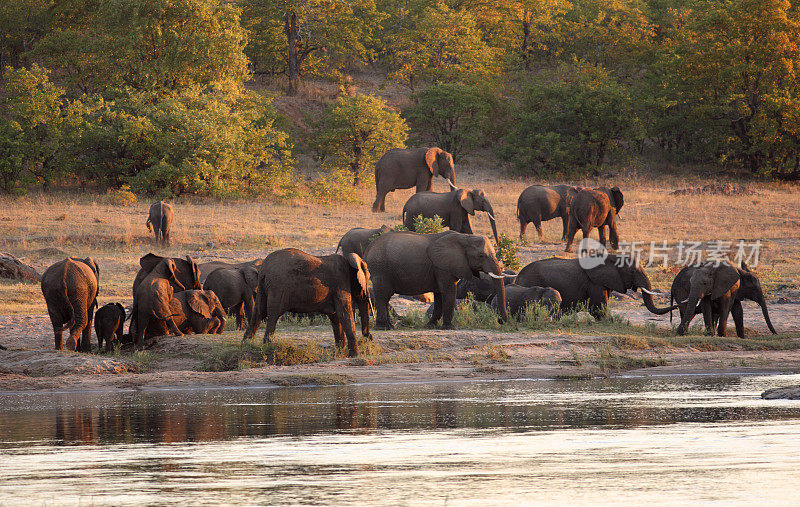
{"type": "Point", "coordinates": [211, 415]}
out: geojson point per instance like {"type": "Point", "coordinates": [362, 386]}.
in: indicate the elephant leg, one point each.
{"type": "Point", "coordinates": [448, 291]}
{"type": "Point", "coordinates": [86, 337]}
{"type": "Point", "coordinates": [585, 231]}
{"type": "Point", "coordinates": [708, 316]}
{"type": "Point", "coordinates": [247, 303]}
{"type": "Point", "coordinates": [58, 329]}
{"type": "Point", "coordinates": [564, 227]}
{"type": "Point", "coordinates": [612, 231]}
{"type": "Point", "coordinates": [382, 297]}
{"type": "Point", "coordinates": [738, 318]}
{"type": "Point", "coordinates": [363, 310]}
{"type": "Point", "coordinates": [344, 311]}
{"type": "Point", "coordinates": [598, 302]}
{"type": "Point", "coordinates": [522, 226]}
{"type": "Point", "coordinates": [725, 309]}
{"type": "Point", "coordinates": [537, 223]}
{"type": "Point", "coordinates": [601, 231]}
{"type": "Point", "coordinates": [75, 341]}
{"type": "Point", "coordinates": [437, 310]}
{"type": "Point", "coordinates": [274, 312]}
{"type": "Point", "coordinates": [573, 229]}
{"type": "Point", "coordinates": [338, 337]}
{"type": "Point", "coordinates": [174, 327]}
{"type": "Point", "coordinates": [380, 197]}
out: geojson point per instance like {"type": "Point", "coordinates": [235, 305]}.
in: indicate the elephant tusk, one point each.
{"type": "Point", "coordinates": [496, 276]}
{"type": "Point", "coordinates": [490, 216]}
{"type": "Point", "coordinates": [649, 292]}
{"type": "Point", "coordinates": [452, 187]}
{"type": "Point", "coordinates": [684, 301]}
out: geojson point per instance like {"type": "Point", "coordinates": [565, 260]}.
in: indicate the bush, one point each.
{"type": "Point", "coordinates": [121, 196]}
{"type": "Point", "coordinates": [506, 252]}
{"type": "Point", "coordinates": [424, 225]}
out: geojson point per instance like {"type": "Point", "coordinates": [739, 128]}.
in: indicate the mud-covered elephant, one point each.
{"type": "Point", "coordinates": [152, 298]}
{"type": "Point", "coordinates": [411, 167]}
{"type": "Point", "coordinates": [109, 322]}
{"type": "Point", "coordinates": [70, 292]}
{"type": "Point", "coordinates": [159, 221]}
{"type": "Point", "coordinates": [198, 312]}
{"type": "Point", "coordinates": [717, 290]}
{"type": "Point", "coordinates": [357, 239]}
{"type": "Point", "coordinates": [539, 203]}
{"type": "Point", "coordinates": [290, 280]}
{"type": "Point", "coordinates": [206, 268]}
{"type": "Point", "coordinates": [409, 263]}
{"type": "Point", "coordinates": [454, 208]}
{"type": "Point", "coordinates": [518, 297]}
{"type": "Point", "coordinates": [187, 273]}
{"type": "Point", "coordinates": [581, 282]}
{"type": "Point", "coordinates": [595, 207]}
{"type": "Point", "coordinates": [235, 288]}
{"type": "Point", "coordinates": [482, 288]}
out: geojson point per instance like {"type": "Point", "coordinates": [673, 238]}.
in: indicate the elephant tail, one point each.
{"type": "Point", "coordinates": [671, 299]}
{"type": "Point", "coordinates": [161, 218]}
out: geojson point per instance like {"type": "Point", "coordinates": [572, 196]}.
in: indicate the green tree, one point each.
{"type": "Point", "coordinates": [23, 23]}
{"type": "Point", "coordinates": [455, 116]}
{"type": "Point", "coordinates": [355, 131]}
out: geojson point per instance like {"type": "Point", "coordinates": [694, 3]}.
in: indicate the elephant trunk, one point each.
{"type": "Point", "coordinates": [490, 212]}
{"type": "Point", "coordinates": [691, 306]}
{"type": "Point", "coordinates": [499, 288]}
{"type": "Point", "coordinates": [642, 282]}
{"type": "Point", "coordinates": [763, 304]}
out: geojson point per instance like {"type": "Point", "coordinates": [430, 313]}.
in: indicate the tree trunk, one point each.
{"type": "Point", "coordinates": [292, 32]}
{"type": "Point", "coordinates": [355, 165]}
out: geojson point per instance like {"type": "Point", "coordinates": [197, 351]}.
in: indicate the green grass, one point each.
{"type": "Point", "coordinates": [609, 359]}
{"type": "Point", "coordinates": [278, 351]}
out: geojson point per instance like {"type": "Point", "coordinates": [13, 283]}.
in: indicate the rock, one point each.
{"type": "Point", "coordinates": [782, 393]}
{"type": "Point", "coordinates": [14, 269]}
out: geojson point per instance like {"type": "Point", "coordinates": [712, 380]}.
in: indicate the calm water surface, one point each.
{"type": "Point", "coordinates": [661, 440]}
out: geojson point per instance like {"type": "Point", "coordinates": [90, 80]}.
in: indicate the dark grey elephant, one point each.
{"type": "Point", "coordinates": [539, 203]}
{"type": "Point", "coordinates": [235, 288]}
{"type": "Point", "coordinates": [454, 208]}
{"type": "Point", "coordinates": [160, 221]}
{"type": "Point", "coordinates": [716, 290]}
{"type": "Point", "coordinates": [411, 167]}
{"type": "Point", "coordinates": [198, 312]}
{"type": "Point", "coordinates": [592, 208]}
{"type": "Point", "coordinates": [409, 263]}
{"type": "Point", "coordinates": [109, 322]}
{"type": "Point", "coordinates": [482, 288]}
{"type": "Point", "coordinates": [187, 274]}
{"type": "Point", "coordinates": [519, 297]}
{"type": "Point", "coordinates": [290, 280]}
{"type": "Point", "coordinates": [357, 239]}
{"type": "Point", "coordinates": [207, 267]}
{"type": "Point", "coordinates": [591, 284]}
{"type": "Point", "coordinates": [70, 290]}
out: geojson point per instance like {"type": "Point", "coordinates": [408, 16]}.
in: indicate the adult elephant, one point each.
{"type": "Point", "coordinates": [198, 312]}
{"type": "Point", "coordinates": [595, 207]}
{"type": "Point", "coordinates": [454, 208]}
{"type": "Point", "coordinates": [520, 297]}
{"type": "Point", "coordinates": [152, 300]}
{"type": "Point", "coordinates": [411, 167]}
{"type": "Point", "coordinates": [235, 288]}
{"type": "Point", "coordinates": [719, 289]}
{"type": "Point", "coordinates": [410, 263]}
{"type": "Point", "coordinates": [206, 268]}
{"type": "Point", "coordinates": [539, 203]}
{"type": "Point", "coordinates": [590, 281]}
{"type": "Point", "coordinates": [290, 280]}
{"type": "Point", "coordinates": [70, 291]}
{"type": "Point", "coordinates": [160, 221]}
{"type": "Point", "coordinates": [357, 239]}
{"type": "Point", "coordinates": [186, 276]}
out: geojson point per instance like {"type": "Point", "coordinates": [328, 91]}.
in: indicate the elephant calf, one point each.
{"type": "Point", "coordinates": [482, 288]}
{"type": "Point", "coordinates": [198, 312]}
{"type": "Point", "coordinates": [108, 323]}
{"type": "Point", "coordinates": [159, 221]}
{"type": "Point", "coordinates": [357, 239]}
{"type": "Point", "coordinates": [235, 288]}
{"type": "Point", "coordinates": [519, 297]}
{"type": "Point", "coordinates": [70, 291]}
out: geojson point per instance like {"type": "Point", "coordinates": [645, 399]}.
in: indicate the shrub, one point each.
{"type": "Point", "coordinates": [424, 225]}
{"type": "Point", "coordinates": [506, 252]}
{"type": "Point", "coordinates": [121, 196]}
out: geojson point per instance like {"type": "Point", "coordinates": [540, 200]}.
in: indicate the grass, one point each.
{"type": "Point", "coordinates": [283, 351]}
{"type": "Point", "coordinates": [609, 359]}
{"type": "Point", "coordinates": [491, 352]}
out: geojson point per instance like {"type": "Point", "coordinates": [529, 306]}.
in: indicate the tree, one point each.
{"type": "Point", "coordinates": [455, 116]}
{"type": "Point", "coordinates": [355, 131]}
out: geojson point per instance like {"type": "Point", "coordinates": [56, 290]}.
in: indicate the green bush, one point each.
{"type": "Point", "coordinates": [507, 250]}
{"type": "Point", "coordinates": [424, 225]}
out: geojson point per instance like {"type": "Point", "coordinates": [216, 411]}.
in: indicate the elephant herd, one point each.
{"type": "Point", "coordinates": [177, 296]}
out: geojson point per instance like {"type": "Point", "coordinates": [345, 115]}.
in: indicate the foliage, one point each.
{"type": "Point", "coordinates": [507, 250]}
{"type": "Point", "coordinates": [355, 131]}
{"type": "Point", "coordinates": [455, 116]}
{"type": "Point", "coordinates": [424, 225]}
{"type": "Point", "coordinates": [121, 196]}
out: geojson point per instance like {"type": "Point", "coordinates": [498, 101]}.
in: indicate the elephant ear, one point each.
{"type": "Point", "coordinates": [360, 266]}
{"type": "Point", "coordinates": [250, 275]}
{"type": "Point", "coordinates": [618, 199]}
{"type": "Point", "coordinates": [466, 200]}
{"type": "Point", "coordinates": [195, 272]}
{"type": "Point", "coordinates": [150, 261]}
{"type": "Point", "coordinates": [725, 277]}
{"type": "Point", "coordinates": [89, 261]}
{"type": "Point", "coordinates": [607, 275]}
{"type": "Point", "coordinates": [430, 160]}
{"type": "Point", "coordinates": [448, 253]}
{"type": "Point", "coordinates": [170, 273]}
{"type": "Point", "coordinates": [198, 302]}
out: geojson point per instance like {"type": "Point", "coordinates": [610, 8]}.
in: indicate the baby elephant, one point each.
{"type": "Point", "coordinates": [518, 297]}
{"type": "Point", "coordinates": [198, 311]}
{"type": "Point", "coordinates": [108, 324]}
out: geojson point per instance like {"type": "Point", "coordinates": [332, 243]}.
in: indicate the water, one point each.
{"type": "Point", "coordinates": [661, 440]}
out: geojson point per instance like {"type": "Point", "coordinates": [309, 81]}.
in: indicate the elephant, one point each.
{"type": "Point", "coordinates": [482, 288]}
{"type": "Point", "coordinates": [592, 208]}
{"type": "Point", "coordinates": [198, 312]}
{"type": "Point", "coordinates": [409, 167]}
{"type": "Point", "coordinates": [160, 221]}
{"type": "Point", "coordinates": [291, 280]}
{"type": "Point", "coordinates": [187, 274]}
{"type": "Point", "coordinates": [719, 288]}
{"type": "Point", "coordinates": [539, 203]}
{"type": "Point", "coordinates": [580, 282]}
{"type": "Point", "coordinates": [207, 268]}
{"type": "Point", "coordinates": [70, 290]}
{"type": "Point", "coordinates": [357, 239]}
{"type": "Point", "coordinates": [151, 300]}
{"type": "Point", "coordinates": [109, 322]}
{"type": "Point", "coordinates": [410, 263]}
{"type": "Point", "coordinates": [235, 288]}
{"type": "Point", "coordinates": [519, 297]}
{"type": "Point", "coordinates": [454, 208]}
